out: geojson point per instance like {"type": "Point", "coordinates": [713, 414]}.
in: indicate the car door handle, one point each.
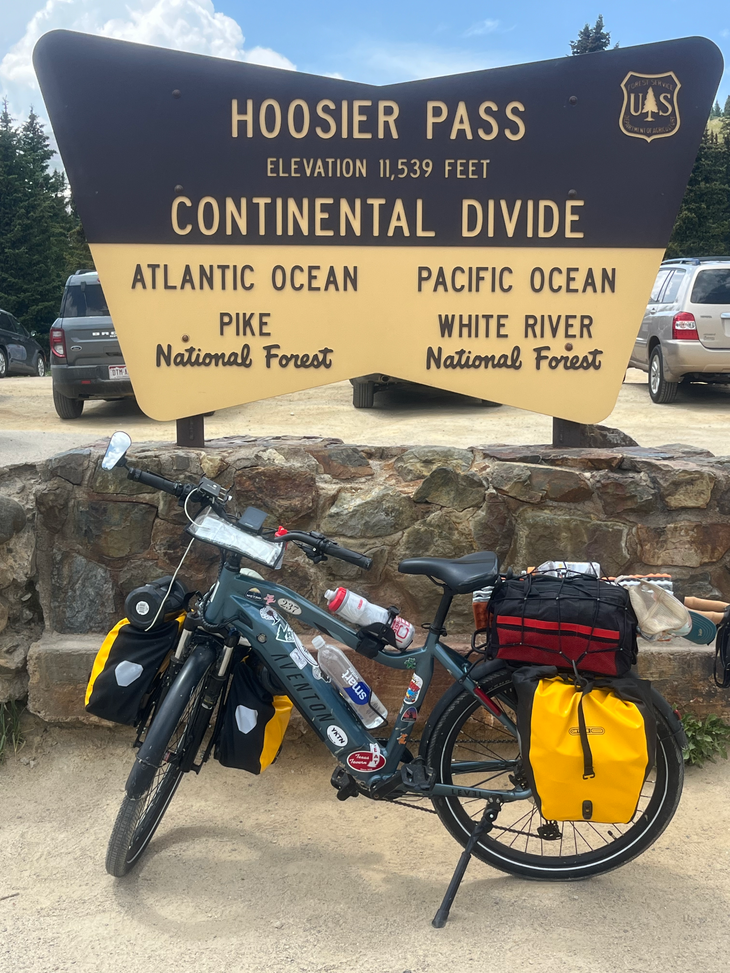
{"type": "Point", "coordinates": [724, 316]}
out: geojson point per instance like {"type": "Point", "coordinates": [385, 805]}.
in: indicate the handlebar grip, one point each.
{"type": "Point", "coordinates": [352, 557]}
{"type": "Point", "coordinates": [157, 482]}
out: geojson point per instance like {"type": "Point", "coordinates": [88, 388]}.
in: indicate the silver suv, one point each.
{"type": "Point", "coordinates": [685, 334]}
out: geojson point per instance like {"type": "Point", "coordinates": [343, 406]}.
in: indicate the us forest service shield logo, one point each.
{"type": "Point", "coordinates": [650, 109]}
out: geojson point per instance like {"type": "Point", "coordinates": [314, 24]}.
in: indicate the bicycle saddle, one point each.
{"type": "Point", "coordinates": [460, 575]}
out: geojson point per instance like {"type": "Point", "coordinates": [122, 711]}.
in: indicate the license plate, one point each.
{"type": "Point", "coordinates": [118, 371]}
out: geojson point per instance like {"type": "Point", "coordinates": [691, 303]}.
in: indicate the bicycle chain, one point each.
{"type": "Point", "coordinates": [495, 827]}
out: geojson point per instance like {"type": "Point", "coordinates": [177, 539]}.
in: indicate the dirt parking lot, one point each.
{"type": "Point", "coordinates": [30, 429]}
{"type": "Point", "coordinates": [273, 874]}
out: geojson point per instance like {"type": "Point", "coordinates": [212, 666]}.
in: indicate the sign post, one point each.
{"type": "Point", "coordinates": [260, 231]}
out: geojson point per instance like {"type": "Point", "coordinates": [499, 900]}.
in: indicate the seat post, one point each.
{"type": "Point", "coordinates": [442, 611]}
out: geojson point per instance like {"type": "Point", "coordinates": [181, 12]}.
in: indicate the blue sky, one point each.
{"type": "Point", "coordinates": [378, 41]}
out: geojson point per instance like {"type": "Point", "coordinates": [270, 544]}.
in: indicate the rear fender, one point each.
{"type": "Point", "coordinates": [671, 717]}
{"type": "Point", "coordinates": [488, 675]}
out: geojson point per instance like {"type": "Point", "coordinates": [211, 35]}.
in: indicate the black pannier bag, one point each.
{"type": "Point", "coordinates": [722, 652]}
{"type": "Point", "coordinates": [125, 668]}
{"type": "Point", "coordinates": [577, 620]}
{"type": "Point", "coordinates": [253, 723]}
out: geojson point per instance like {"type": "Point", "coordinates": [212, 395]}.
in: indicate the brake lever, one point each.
{"type": "Point", "coordinates": [312, 553]}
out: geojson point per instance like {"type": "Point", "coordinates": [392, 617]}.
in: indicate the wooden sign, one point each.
{"type": "Point", "coordinates": [260, 231]}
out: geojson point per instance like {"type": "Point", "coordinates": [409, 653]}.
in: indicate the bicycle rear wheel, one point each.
{"type": "Point", "coordinates": [522, 842]}
{"type": "Point", "coordinates": [139, 817]}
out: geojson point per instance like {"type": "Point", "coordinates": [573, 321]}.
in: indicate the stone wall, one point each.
{"type": "Point", "coordinates": [74, 540]}
{"type": "Point", "coordinates": [21, 618]}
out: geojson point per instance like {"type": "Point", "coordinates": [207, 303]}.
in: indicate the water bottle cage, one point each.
{"type": "Point", "coordinates": [373, 638]}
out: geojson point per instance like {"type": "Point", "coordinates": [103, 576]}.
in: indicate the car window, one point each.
{"type": "Point", "coordinates": [84, 301]}
{"type": "Point", "coordinates": [712, 287]}
{"type": "Point", "coordinates": [10, 324]}
{"type": "Point", "coordinates": [670, 294]}
{"type": "Point", "coordinates": [18, 327]}
{"type": "Point", "coordinates": [661, 278]}
{"type": "Point", "coordinates": [4, 321]}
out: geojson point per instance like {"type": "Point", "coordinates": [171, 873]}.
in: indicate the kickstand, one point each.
{"type": "Point", "coordinates": [490, 813]}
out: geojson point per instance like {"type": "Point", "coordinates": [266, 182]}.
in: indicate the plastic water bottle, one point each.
{"type": "Point", "coordinates": [358, 610]}
{"type": "Point", "coordinates": [335, 664]}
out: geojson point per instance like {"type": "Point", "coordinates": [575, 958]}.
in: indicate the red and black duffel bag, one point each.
{"type": "Point", "coordinates": [578, 621]}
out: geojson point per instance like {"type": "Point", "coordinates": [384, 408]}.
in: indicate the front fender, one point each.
{"type": "Point", "coordinates": [151, 752]}
{"type": "Point", "coordinates": [489, 675]}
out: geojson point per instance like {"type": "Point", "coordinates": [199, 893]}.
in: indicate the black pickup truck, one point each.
{"type": "Point", "coordinates": [86, 360]}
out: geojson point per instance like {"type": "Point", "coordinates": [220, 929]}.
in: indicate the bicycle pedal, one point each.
{"type": "Point", "coordinates": [344, 784]}
{"type": "Point", "coordinates": [417, 776]}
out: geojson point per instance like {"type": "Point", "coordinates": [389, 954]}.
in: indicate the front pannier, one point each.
{"type": "Point", "coordinates": [586, 749]}
{"type": "Point", "coordinates": [581, 620]}
{"type": "Point", "coordinates": [125, 668]}
{"type": "Point", "coordinates": [253, 723]}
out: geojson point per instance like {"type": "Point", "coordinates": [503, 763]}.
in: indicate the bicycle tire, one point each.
{"type": "Point", "coordinates": [139, 817]}
{"type": "Point", "coordinates": [514, 846]}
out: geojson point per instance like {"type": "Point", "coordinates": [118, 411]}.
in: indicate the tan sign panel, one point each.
{"type": "Point", "coordinates": [260, 231]}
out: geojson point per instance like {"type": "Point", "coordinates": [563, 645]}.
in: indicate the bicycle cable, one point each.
{"type": "Point", "coordinates": [169, 589]}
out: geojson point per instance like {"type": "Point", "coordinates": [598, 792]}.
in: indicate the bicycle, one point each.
{"type": "Point", "coordinates": [468, 761]}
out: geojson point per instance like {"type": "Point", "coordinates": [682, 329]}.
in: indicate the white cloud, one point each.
{"type": "Point", "coordinates": [269, 58]}
{"type": "Point", "coordinates": [481, 27]}
{"type": "Point", "coordinates": [183, 25]}
{"type": "Point", "coordinates": [389, 63]}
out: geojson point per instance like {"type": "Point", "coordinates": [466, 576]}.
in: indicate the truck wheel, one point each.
{"type": "Point", "coordinates": [660, 390]}
{"type": "Point", "coordinates": [363, 395]}
{"type": "Point", "coordinates": [67, 408]}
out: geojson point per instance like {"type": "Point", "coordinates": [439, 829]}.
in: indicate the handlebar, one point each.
{"type": "Point", "coordinates": [317, 542]}
{"type": "Point", "coordinates": [324, 545]}
{"type": "Point", "coordinates": [157, 482]}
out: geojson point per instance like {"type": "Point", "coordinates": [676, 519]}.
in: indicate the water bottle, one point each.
{"type": "Point", "coordinates": [358, 610]}
{"type": "Point", "coordinates": [335, 664]}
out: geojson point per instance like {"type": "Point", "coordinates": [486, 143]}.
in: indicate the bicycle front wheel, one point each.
{"type": "Point", "coordinates": [139, 817]}
{"type": "Point", "coordinates": [521, 841]}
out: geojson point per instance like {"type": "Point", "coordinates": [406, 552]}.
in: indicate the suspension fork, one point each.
{"type": "Point", "coordinates": [215, 683]}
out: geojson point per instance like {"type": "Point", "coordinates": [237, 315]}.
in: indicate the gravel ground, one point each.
{"type": "Point", "coordinates": [30, 429]}
{"type": "Point", "coordinates": [274, 874]}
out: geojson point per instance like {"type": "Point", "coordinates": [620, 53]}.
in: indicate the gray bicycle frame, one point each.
{"type": "Point", "coordinates": [254, 606]}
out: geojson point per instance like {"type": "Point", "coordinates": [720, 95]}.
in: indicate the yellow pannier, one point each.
{"type": "Point", "coordinates": [586, 746]}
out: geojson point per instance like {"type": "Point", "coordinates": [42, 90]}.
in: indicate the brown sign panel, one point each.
{"type": "Point", "coordinates": [260, 231]}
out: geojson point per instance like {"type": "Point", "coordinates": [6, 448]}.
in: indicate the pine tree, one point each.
{"type": "Point", "coordinates": [40, 233]}
{"type": "Point", "coordinates": [725, 123]}
{"type": "Point", "coordinates": [650, 105]}
{"type": "Point", "coordinates": [702, 228]}
{"type": "Point", "coordinates": [591, 39]}
{"type": "Point", "coordinates": [716, 111]}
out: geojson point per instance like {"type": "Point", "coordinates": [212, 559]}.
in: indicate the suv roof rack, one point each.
{"type": "Point", "coordinates": [693, 260]}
